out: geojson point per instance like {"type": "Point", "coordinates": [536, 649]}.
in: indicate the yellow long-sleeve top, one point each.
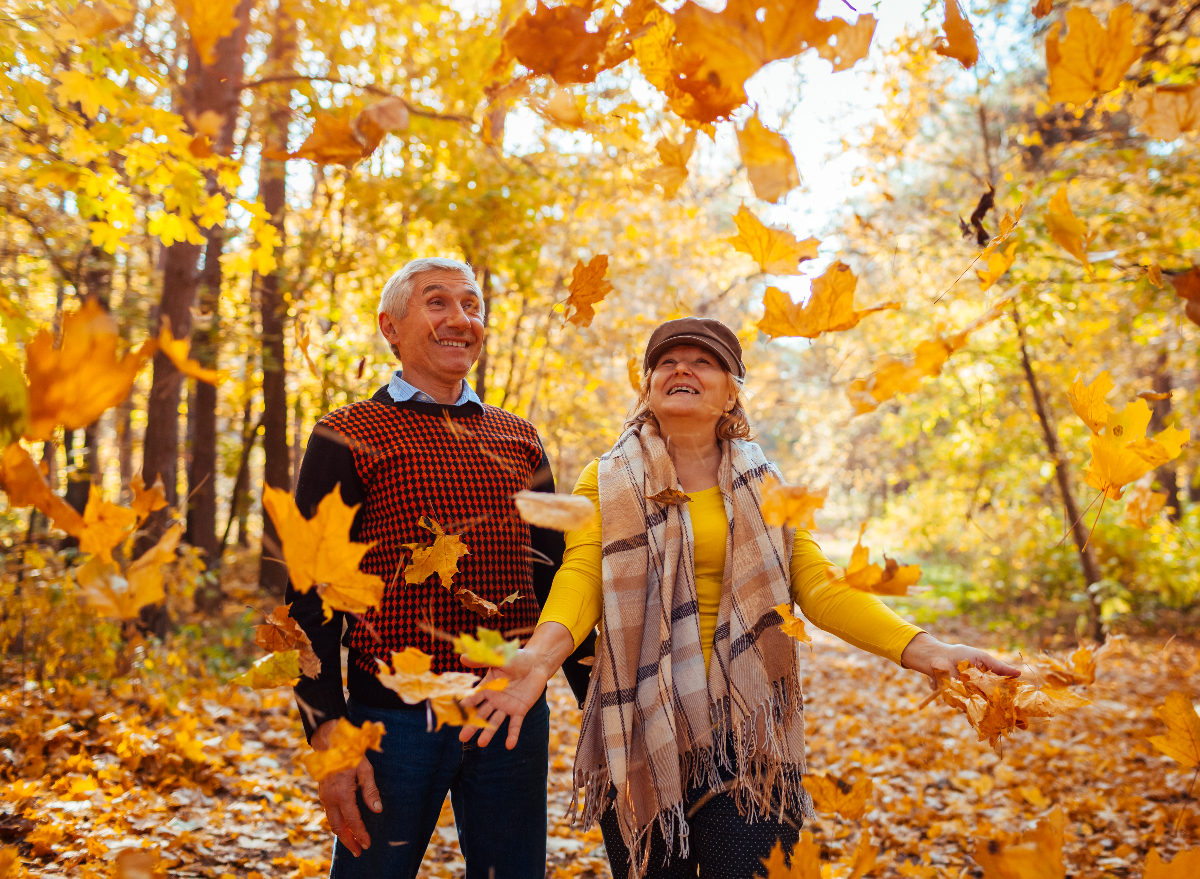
{"type": "Point", "coordinates": [576, 598]}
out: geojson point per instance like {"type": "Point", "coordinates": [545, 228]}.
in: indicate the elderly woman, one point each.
{"type": "Point", "coordinates": [691, 751]}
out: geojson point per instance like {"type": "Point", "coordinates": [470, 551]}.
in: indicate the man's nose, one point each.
{"type": "Point", "coordinates": [458, 317]}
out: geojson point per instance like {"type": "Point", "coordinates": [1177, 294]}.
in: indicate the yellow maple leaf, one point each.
{"type": "Point", "coordinates": [278, 669]}
{"type": "Point", "coordinates": [768, 159]}
{"type": "Point", "coordinates": [1069, 231]}
{"type": "Point", "coordinates": [145, 574]}
{"type": "Point", "coordinates": [26, 486]}
{"type": "Point", "coordinates": [332, 142]}
{"type": "Point", "coordinates": [792, 625]}
{"type": "Point", "coordinates": [1141, 505]}
{"type": "Point", "coordinates": [959, 42]}
{"type": "Point", "coordinates": [1123, 454]}
{"type": "Point", "coordinates": [319, 552]}
{"type": "Point", "coordinates": [14, 402]}
{"type": "Point", "coordinates": [894, 579]}
{"type": "Point", "coordinates": [73, 384]}
{"type": "Point", "coordinates": [831, 794]}
{"type": "Point", "coordinates": [776, 251]}
{"type": "Point", "coordinates": [176, 351]}
{"type": "Point", "coordinates": [208, 21]}
{"type": "Point", "coordinates": [1182, 741]}
{"type": "Point", "coordinates": [1036, 854]}
{"type": "Point", "coordinates": [1008, 225]}
{"type": "Point", "coordinates": [90, 20]}
{"type": "Point", "coordinates": [805, 860]}
{"type": "Point", "coordinates": [829, 309]}
{"type": "Point", "coordinates": [997, 265]}
{"type": "Point", "coordinates": [104, 525]}
{"type": "Point", "coordinates": [1088, 401]}
{"type": "Point", "coordinates": [671, 172]}
{"type": "Point", "coordinates": [1185, 865]}
{"type": "Point", "coordinates": [560, 512]}
{"type": "Point", "coordinates": [1080, 668]}
{"type": "Point", "coordinates": [792, 505]}
{"type": "Point", "coordinates": [863, 860]}
{"type": "Point", "coordinates": [440, 558]}
{"type": "Point", "coordinates": [487, 648]}
{"type": "Point", "coordinates": [1091, 60]}
{"type": "Point", "coordinates": [348, 746]}
{"type": "Point", "coordinates": [556, 42]}
{"type": "Point", "coordinates": [588, 287]}
{"type": "Point", "coordinates": [147, 500]}
{"type": "Point", "coordinates": [282, 632]}
{"type": "Point", "coordinates": [410, 678]}
{"type": "Point", "coordinates": [1168, 112]}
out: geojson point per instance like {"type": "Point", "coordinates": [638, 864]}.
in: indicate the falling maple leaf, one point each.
{"type": "Point", "coordinates": [830, 794]}
{"type": "Point", "coordinates": [1168, 112]}
{"type": "Point", "coordinates": [208, 21]}
{"type": "Point", "coordinates": [278, 669]}
{"type": "Point", "coordinates": [73, 384]}
{"type": "Point", "coordinates": [997, 265]}
{"type": "Point", "coordinates": [670, 497]}
{"type": "Point", "coordinates": [176, 351]}
{"type": "Point", "coordinates": [1091, 60]}
{"type": "Point", "coordinates": [376, 120]}
{"type": "Point", "coordinates": [892, 580]}
{"type": "Point", "coordinates": [863, 860]}
{"type": "Point", "coordinates": [410, 678]}
{"type": "Point", "coordinates": [488, 647]}
{"type": "Point", "coordinates": [282, 632]}
{"type": "Point", "coordinates": [561, 512]}
{"type": "Point", "coordinates": [1185, 865]}
{"type": "Point", "coordinates": [1182, 741]}
{"type": "Point", "coordinates": [768, 159]}
{"type": "Point", "coordinates": [1042, 8]}
{"type": "Point", "coordinates": [1123, 453]}
{"type": "Point", "coordinates": [671, 172]}
{"type": "Point", "coordinates": [1088, 401]}
{"type": "Point", "coordinates": [588, 287]}
{"type": "Point", "coordinates": [829, 309]}
{"type": "Point", "coordinates": [147, 500]}
{"type": "Point", "coordinates": [1008, 225]}
{"type": "Point", "coordinates": [104, 525]}
{"type": "Point", "coordinates": [805, 860]}
{"type": "Point", "coordinates": [481, 606]}
{"type": "Point", "coordinates": [1036, 854]}
{"type": "Point", "coordinates": [348, 746]}
{"type": "Point", "coordinates": [556, 42]}
{"type": "Point", "coordinates": [1081, 669]}
{"type": "Point", "coordinates": [1141, 505]}
{"type": "Point", "coordinates": [440, 558]}
{"type": "Point", "coordinates": [1068, 230]}
{"type": "Point", "coordinates": [145, 574]}
{"type": "Point", "coordinates": [959, 42]}
{"type": "Point", "coordinates": [332, 142]}
{"type": "Point", "coordinates": [14, 402]}
{"type": "Point", "coordinates": [26, 486]}
{"type": "Point", "coordinates": [90, 20]}
{"type": "Point", "coordinates": [776, 251]}
{"type": "Point", "coordinates": [1187, 287]}
{"type": "Point", "coordinates": [792, 625]}
{"type": "Point", "coordinates": [319, 552]}
{"type": "Point", "coordinates": [792, 505]}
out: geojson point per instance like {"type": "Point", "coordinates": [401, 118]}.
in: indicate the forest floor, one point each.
{"type": "Point", "coordinates": [203, 780]}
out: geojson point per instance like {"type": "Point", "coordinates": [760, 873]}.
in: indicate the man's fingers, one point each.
{"type": "Point", "coordinates": [514, 730]}
{"type": "Point", "coordinates": [366, 781]}
{"type": "Point", "coordinates": [354, 823]}
{"type": "Point", "coordinates": [338, 825]}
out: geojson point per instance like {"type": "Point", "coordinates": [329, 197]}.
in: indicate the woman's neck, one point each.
{"type": "Point", "coordinates": [694, 451]}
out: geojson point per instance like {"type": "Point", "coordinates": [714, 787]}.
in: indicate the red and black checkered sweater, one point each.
{"type": "Point", "coordinates": [459, 465]}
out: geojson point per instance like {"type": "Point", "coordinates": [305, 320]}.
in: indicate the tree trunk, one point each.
{"type": "Point", "coordinates": [1167, 474]}
{"type": "Point", "coordinates": [272, 189]}
{"type": "Point", "coordinates": [481, 365]}
{"type": "Point", "coordinates": [1079, 531]}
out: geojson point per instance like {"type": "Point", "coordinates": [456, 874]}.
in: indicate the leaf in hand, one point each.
{"type": "Point", "coordinates": [1182, 741]}
{"type": "Point", "coordinates": [319, 552]}
{"type": "Point", "coordinates": [776, 251]}
{"type": "Point", "coordinates": [669, 497]}
{"type": "Point", "coordinates": [588, 287]}
{"type": "Point", "coordinates": [487, 648]}
{"type": "Point", "coordinates": [1091, 60]}
{"type": "Point", "coordinates": [1036, 854]}
{"type": "Point", "coordinates": [959, 42]}
{"type": "Point", "coordinates": [482, 606]}
{"type": "Point", "coordinates": [768, 159]}
{"type": "Point", "coordinates": [440, 558]}
{"type": "Point", "coordinates": [560, 512]}
{"type": "Point", "coordinates": [792, 505]}
{"type": "Point", "coordinates": [830, 794]}
{"type": "Point", "coordinates": [278, 669]}
{"type": "Point", "coordinates": [792, 625]}
{"type": "Point", "coordinates": [282, 632]}
{"type": "Point", "coordinates": [348, 745]}
{"type": "Point", "coordinates": [829, 309]}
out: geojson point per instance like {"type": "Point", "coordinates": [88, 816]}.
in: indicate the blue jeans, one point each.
{"type": "Point", "coordinates": [498, 795]}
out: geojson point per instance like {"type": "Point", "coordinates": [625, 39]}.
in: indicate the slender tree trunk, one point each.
{"type": "Point", "coordinates": [1079, 531]}
{"type": "Point", "coordinates": [124, 429]}
{"type": "Point", "coordinates": [1167, 474]}
{"type": "Point", "coordinates": [272, 189]}
{"type": "Point", "coordinates": [481, 365]}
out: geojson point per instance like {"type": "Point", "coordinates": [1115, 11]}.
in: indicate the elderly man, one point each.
{"type": "Point", "coordinates": [425, 445]}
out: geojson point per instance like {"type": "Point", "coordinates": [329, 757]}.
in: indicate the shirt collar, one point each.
{"type": "Point", "coordinates": [401, 391]}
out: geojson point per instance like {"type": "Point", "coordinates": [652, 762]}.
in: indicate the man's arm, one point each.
{"type": "Point", "coordinates": [549, 545]}
{"type": "Point", "coordinates": [328, 462]}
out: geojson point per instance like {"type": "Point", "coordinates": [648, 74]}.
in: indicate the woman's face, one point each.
{"type": "Point", "coordinates": [690, 382]}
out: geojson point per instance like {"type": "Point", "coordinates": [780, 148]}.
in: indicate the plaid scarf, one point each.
{"type": "Point", "coordinates": [653, 724]}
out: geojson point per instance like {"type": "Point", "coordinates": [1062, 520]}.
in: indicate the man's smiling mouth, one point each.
{"type": "Point", "coordinates": [452, 343]}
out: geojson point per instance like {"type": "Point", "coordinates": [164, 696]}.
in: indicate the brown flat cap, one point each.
{"type": "Point", "coordinates": [704, 332]}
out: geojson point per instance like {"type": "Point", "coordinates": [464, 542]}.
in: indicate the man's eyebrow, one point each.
{"type": "Point", "coordinates": [438, 286]}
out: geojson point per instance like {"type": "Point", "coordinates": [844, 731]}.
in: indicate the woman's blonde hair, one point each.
{"type": "Point", "coordinates": [734, 424]}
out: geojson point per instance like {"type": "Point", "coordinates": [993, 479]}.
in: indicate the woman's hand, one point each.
{"type": "Point", "coordinates": [527, 674]}
{"type": "Point", "coordinates": [935, 659]}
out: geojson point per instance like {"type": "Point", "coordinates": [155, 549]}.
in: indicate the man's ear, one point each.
{"type": "Point", "coordinates": [387, 326]}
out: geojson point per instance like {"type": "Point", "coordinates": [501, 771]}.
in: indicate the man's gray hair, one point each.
{"type": "Point", "coordinates": [399, 287]}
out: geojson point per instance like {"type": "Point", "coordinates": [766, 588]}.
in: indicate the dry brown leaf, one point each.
{"type": "Point", "coordinates": [588, 287]}
{"type": "Point", "coordinates": [560, 512]}
{"type": "Point", "coordinates": [669, 497]}
{"type": "Point", "coordinates": [482, 606]}
{"type": "Point", "coordinates": [281, 632]}
{"type": "Point", "coordinates": [959, 42]}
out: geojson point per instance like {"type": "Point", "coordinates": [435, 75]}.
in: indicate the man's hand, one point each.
{"type": "Point", "coordinates": [935, 659]}
{"type": "Point", "coordinates": [337, 794]}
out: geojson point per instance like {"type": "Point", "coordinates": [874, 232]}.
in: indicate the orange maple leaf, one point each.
{"type": "Point", "coordinates": [805, 860]}
{"type": "Point", "coordinates": [768, 159]}
{"type": "Point", "coordinates": [26, 486]}
{"type": "Point", "coordinates": [997, 265]}
{"type": "Point", "coordinates": [959, 42]}
{"type": "Point", "coordinates": [1185, 865]}
{"type": "Point", "coordinates": [1036, 854]}
{"type": "Point", "coordinates": [481, 606]}
{"type": "Point", "coordinates": [119, 597]}
{"type": "Point", "coordinates": [588, 287]}
{"type": "Point", "coordinates": [792, 505]}
{"type": "Point", "coordinates": [440, 558]}
{"type": "Point", "coordinates": [1042, 8]}
{"type": "Point", "coordinates": [831, 794]}
{"type": "Point", "coordinates": [348, 746]}
{"type": "Point", "coordinates": [176, 351]}
{"type": "Point", "coordinates": [894, 579]}
{"type": "Point", "coordinates": [1088, 401]}
{"type": "Point", "coordinates": [208, 21]}
{"type": "Point", "coordinates": [1091, 60]}
{"type": "Point", "coordinates": [1068, 230]}
{"type": "Point", "coordinates": [1080, 668]}
{"type": "Point", "coordinates": [670, 497]}
{"type": "Point", "coordinates": [1182, 741]}
{"type": "Point", "coordinates": [104, 525]}
{"type": "Point", "coordinates": [829, 309]}
{"type": "Point", "coordinates": [776, 251]}
{"type": "Point", "coordinates": [282, 632]}
{"type": "Point", "coordinates": [556, 41]}
{"type": "Point", "coordinates": [333, 141]}
{"type": "Point", "coordinates": [147, 500]}
{"type": "Point", "coordinates": [792, 625]}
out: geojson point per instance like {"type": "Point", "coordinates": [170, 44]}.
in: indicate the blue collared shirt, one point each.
{"type": "Point", "coordinates": [402, 391]}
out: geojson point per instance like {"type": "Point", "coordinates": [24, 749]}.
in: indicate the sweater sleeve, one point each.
{"type": "Point", "coordinates": [328, 463]}
{"type": "Point", "coordinates": [577, 599]}
{"type": "Point", "coordinates": [858, 618]}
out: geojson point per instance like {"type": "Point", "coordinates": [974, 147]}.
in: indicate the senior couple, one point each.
{"type": "Point", "coordinates": [691, 751]}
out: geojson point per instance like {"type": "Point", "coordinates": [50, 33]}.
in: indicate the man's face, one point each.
{"type": "Point", "coordinates": [440, 337]}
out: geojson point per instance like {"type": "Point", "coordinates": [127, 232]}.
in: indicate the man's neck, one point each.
{"type": "Point", "coordinates": [441, 392]}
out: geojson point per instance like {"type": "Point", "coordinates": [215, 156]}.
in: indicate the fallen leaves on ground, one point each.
{"type": "Point", "coordinates": [588, 287]}
{"type": "Point", "coordinates": [560, 512]}
{"type": "Point", "coordinates": [831, 794]}
{"type": "Point", "coordinates": [829, 309]}
{"type": "Point", "coordinates": [1092, 59]}
{"type": "Point", "coordinates": [792, 505]}
{"type": "Point", "coordinates": [441, 557]}
{"type": "Point", "coordinates": [1037, 854]}
{"type": "Point", "coordinates": [959, 42]}
{"type": "Point", "coordinates": [348, 744]}
{"type": "Point", "coordinates": [776, 251]}
{"type": "Point", "coordinates": [893, 579]}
